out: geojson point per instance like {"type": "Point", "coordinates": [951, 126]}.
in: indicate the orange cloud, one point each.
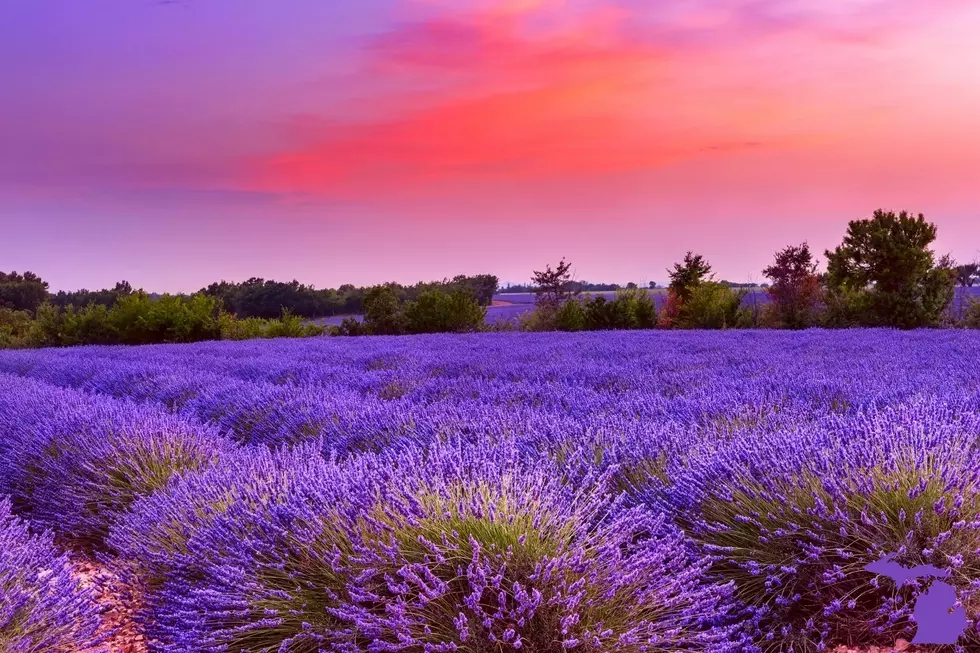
{"type": "Point", "coordinates": [490, 96]}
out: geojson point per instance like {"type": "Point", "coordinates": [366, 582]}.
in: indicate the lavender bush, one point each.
{"type": "Point", "coordinates": [73, 462]}
{"type": "Point", "coordinates": [794, 521]}
{"type": "Point", "coordinates": [43, 608]}
{"type": "Point", "coordinates": [773, 464]}
{"type": "Point", "coordinates": [441, 549]}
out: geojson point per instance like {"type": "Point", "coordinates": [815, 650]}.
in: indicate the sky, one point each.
{"type": "Point", "coordinates": [173, 143]}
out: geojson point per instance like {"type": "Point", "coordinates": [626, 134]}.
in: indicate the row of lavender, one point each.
{"type": "Point", "coordinates": [597, 492]}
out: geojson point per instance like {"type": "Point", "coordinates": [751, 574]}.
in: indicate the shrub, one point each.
{"type": "Point", "coordinates": [151, 537]}
{"type": "Point", "coordinates": [435, 311]}
{"type": "Point", "coordinates": [247, 328]}
{"type": "Point", "coordinates": [795, 530]}
{"type": "Point", "coordinates": [15, 328]}
{"type": "Point", "coordinates": [42, 606]}
{"type": "Point", "coordinates": [971, 318]}
{"type": "Point", "coordinates": [711, 305]}
{"type": "Point", "coordinates": [76, 468]}
{"type": "Point", "coordinates": [292, 326]}
{"type": "Point", "coordinates": [137, 319]}
{"type": "Point", "coordinates": [467, 549]}
{"type": "Point", "coordinates": [217, 563]}
{"type": "Point", "coordinates": [542, 318]}
{"type": "Point", "coordinates": [570, 316]}
{"type": "Point", "coordinates": [88, 326]}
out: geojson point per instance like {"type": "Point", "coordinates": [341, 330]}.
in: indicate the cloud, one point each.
{"type": "Point", "coordinates": [511, 96]}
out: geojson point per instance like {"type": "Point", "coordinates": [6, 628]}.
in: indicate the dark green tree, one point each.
{"type": "Point", "coordinates": [687, 276]}
{"type": "Point", "coordinates": [22, 292]}
{"type": "Point", "coordinates": [888, 275]}
{"type": "Point", "coordinates": [382, 311]}
{"type": "Point", "coordinates": [554, 287]}
{"type": "Point", "coordinates": [967, 274]}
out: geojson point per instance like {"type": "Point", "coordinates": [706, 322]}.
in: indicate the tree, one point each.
{"type": "Point", "coordinates": [631, 286]}
{"type": "Point", "coordinates": [438, 311]}
{"type": "Point", "coordinates": [888, 274]}
{"type": "Point", "coordinates": [382, 311]}
{"type": "Point", "coordinates": [22, 292]}
{"type": "Point", "coordinates": [686, 276]}
{"type": "Point", "coordinates": [652, 285]}
{"type": "Point", "coordinates": [482, 286]}
{"type": "Point", "coordinates": [554, 287]}
{"type": "Point", "coordinates": [795, 289]}
{"type": "Point", "coordinates": [967, 274]}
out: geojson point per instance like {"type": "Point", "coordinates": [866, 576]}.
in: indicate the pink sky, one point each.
{"type": "Point", "coordinates": [177, 144]}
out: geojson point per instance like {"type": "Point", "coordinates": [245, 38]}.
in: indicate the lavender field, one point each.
{"type": "Point", "coordinates": [608, 491]}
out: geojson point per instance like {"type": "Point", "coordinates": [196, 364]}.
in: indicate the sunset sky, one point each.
{"type": "Point", "coordinates": [179, 142]}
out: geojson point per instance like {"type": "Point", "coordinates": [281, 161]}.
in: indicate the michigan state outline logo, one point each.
{"type": "Point", "coordinates": [938, 623]}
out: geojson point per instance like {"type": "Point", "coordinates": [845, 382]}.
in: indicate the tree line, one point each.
{"type": "Point", "coordinates": [883, 274]}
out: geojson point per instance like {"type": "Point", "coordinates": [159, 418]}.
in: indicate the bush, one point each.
{"type": "Point", "coordinates": [711, 305]}
{"type": "Point", "coordinates": [137, 319]}
{"type": "Point", "coordinates": [570, 316]}
{"type": "Point", "coordinates": [453, 549]}
{"type": "Point", "coordinates": [795, 531]}
{"type": "Point", "coordinates": [15, 328]}
{"type": "Point", "coordinates": [292, 326]}
{"type": "Point", "coordinates": [350, 326]}
{"type": "Point", "coordinates": [542, 318]}
{"type": "Point", "coordinates": [76, 467]}
{"type": "Point", "coordinates": [88, 326]}
{"type": "Point", "coordinates": [247, 328]}
{"type": "Point", "coordinates": [971, 318]}
{"type": "Point", "coordinates": [42, 606]}
{"type": "Point", "coordinates": [435, 311]}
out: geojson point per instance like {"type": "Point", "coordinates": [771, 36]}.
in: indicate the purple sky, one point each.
{"type": "Point", "coordinates": [173, 144]}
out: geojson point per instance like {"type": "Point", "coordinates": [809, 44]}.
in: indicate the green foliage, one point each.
{"type": "Point", "coordinates": [712, 305]}
{"type": "Point", "coordinates": [137, 319]}
{"type": "Point", "coordinates": [88, 326]}
{"type": "Point", "coordinates": [570, 316]}
{"type": "Point", "coordinates": [292, 326]}
{"type": "Point", "coordinates": [82, 298]}
{"type": "Point", "coordinates": [15, 328]}
{"type": "Point", "coordinates": [248, 328]}
{"type": "Point", "coordinates": [542, 318]}
{"type": "Point", "coordinates": [287, 326]}
{"type": "Point", "coordinates": [382, 311]}
{"type": "Point", "coordinates": [887, 261]}
{"type": "Point", "coordinates": [686, 276]}
{"type": "Point", "coordinates": [631, 309]}
{"type": "Point", "coordinates": [349, 326]}
{"type": "Point", "coordinates": [971, 319]}
{"type": "Point", "coordinates": [436, 311]}
{"type": "Point", "coordinates": [22, 292]}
